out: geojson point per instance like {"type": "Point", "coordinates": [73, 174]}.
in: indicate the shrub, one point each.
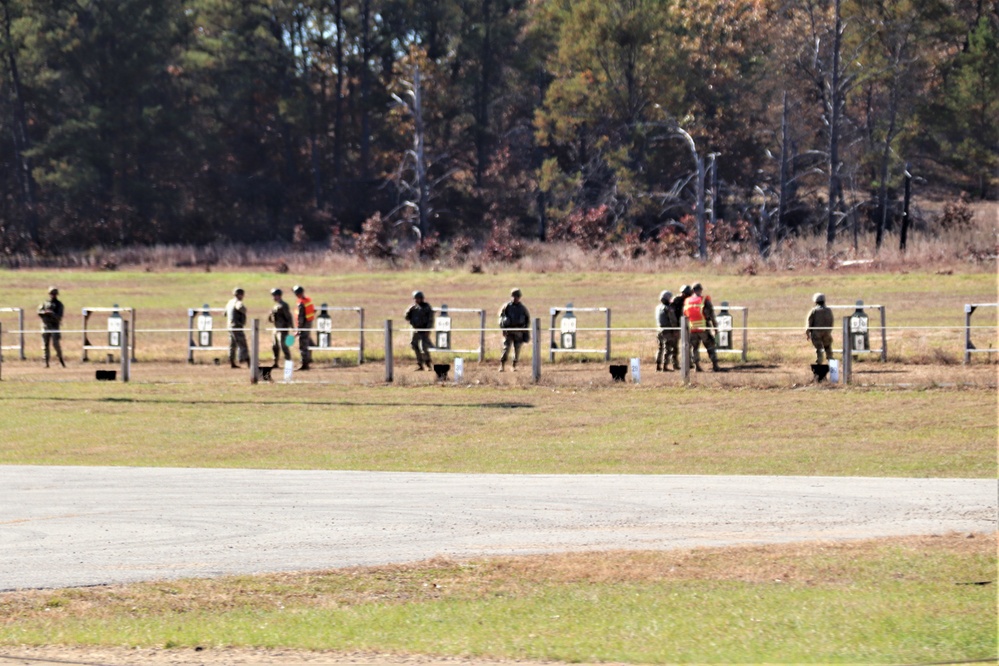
{"type": "Point", "coordinates": [502, 244]}
{"type": "Point", "coordinates": [373, 243]}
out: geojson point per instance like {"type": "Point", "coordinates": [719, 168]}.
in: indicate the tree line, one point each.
{"type": "Point", "coordinates": [462, 121]}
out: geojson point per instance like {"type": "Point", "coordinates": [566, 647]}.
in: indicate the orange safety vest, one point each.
{"type": "Point", "coordinates": [693, 311]}
{"type": "Point", "coordinates": [310, 309]}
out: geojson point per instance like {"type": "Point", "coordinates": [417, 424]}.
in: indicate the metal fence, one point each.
{"type": "Point", "coordinates": [636, 340]}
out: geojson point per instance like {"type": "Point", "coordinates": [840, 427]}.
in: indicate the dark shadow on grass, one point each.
{"type": "Point", "coordinates": [281, 403]}
{"type": "Point", "coordinates": [750, 367]}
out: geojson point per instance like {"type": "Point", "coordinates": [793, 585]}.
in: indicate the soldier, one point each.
{"type": "Point", "coordinates": [50, 312]}
{"type": "Point", "coordinates": [513, 319]}
{"type": "Point", "coordinates": [693, 310]}
{"type": "Point", "coordinates": [281, 318]}
{"type": "Point", "coordinates": [669, 334]}
{"type": "Point", "coordinates": [678, 301]}
{"type": "Point", "coordinates": [421, 317]}
{"type": "Point", "coordinates": [819, 328]}
{"type": "Point", "coordinates": [235, 314]}
{"type": "Point", "coordinates": [306, 313]}
{"type": "Point", "coordinates": [711, 325]}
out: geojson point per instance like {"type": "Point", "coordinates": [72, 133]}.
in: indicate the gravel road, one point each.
{"type": "Point", "coordinates": [70, 526]}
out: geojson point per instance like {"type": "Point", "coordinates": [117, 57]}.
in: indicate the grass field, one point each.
{"type": "Point", "coordinates": [919, 415]}
{"type": "Point", "coordinates": [776, 302]}
{"type": "Point", "coordinates": [810, 431]}
{"type": "Point", "coordinates": [912, 600]}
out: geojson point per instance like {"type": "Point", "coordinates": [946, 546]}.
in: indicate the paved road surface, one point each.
{"type": "Point", "coordinates": [68, 526]}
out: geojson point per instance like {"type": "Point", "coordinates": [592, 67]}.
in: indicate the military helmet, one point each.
{"type": "Point", "coordinates": [417, 294]}
{"type": "Point", "coordinates": [298, 289]}
{"type": "Point", "coordinates": [666, 296]}
{"type": "Point", "coordinates": [237, 291]}
{"type": "Point", "coordinates": [819, 298]}
{"type": "Point", "coordinates": [276, 292]}
{"type": "Point", "coordinates": [685, 290]}
{"type": "Point", "coordinates": [53, 290]}
{"type": "Point", "coordinates": [515, 293]}
{"type": "Point", "coordinates": [696, 287]}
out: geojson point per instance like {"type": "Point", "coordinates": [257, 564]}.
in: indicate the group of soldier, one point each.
{"type": "Point", "coordinates": [285, 326]}
{"type": "Point", "coordinates": [514, 323]}
{"type": "Point", "coordinates": [691, 302]}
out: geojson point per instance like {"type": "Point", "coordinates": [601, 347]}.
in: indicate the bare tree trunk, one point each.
{"type": "Point", "coordinates": [423, 186]}
{"type": "Point", "coordinates": [483, 93]}
{"type": "Point", "coordinates": [785, 164]}
{"type": "Point", "coordinates": [338, 103]}
{"type": "Point", "coordinates": [22, 141]}
{"type": "Point", "coordinates": [903, 235]}
{"type": "Point", "coordinates": [365, 90]}
{"type": "Point", "coordinates": [835, 95]}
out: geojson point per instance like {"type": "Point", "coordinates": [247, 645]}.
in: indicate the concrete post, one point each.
{"type": "Point", "coordinates": [847, 364]}
{"type": "Point", "coordinates": [360, 345]}
{"type": "Point", "coordinates": [1, 352]}
{"type": "Point", "coordinates": [255, 352]}
{"type": "Point", "coordinates": [685, 349]}
{"type": "Point", "coordinates": [536, 350]}
{"type": "Point", "coordinates": [482, 336]}
{"type": "Point", "coordinates": [884, 337]}
{"type": "Point", "coordinates": [745, 333]}
{"type": "Point", "coordinates": [388, 351]}
{"type": "Point", "coordinates": [20, 327]}
{"type": "Point", "coordinates": [967, 333]}
{"type": "Point", "coordinates": [125, 356]}
{"type": "Point", "coordinates": [607, 356]}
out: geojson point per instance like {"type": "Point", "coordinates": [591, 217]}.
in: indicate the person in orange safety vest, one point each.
{"type": "Point", "coordinates": [306, 312]}
{"type": "Point", "coordinates": [700, 314]}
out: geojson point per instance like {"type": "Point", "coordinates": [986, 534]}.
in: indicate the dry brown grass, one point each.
{"type": "Point", "coordinates": [930, 248]}
{"type": "Point", "coordinates": [811, 563]}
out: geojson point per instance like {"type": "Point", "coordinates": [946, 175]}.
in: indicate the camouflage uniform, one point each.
{"type": "Point", "coordinates": [235, 314]}
{"type": "Point", "coordinates": [699, 333]}
{"type": "Point", "coordinates": [710, 330]}
{"type": "Point", "coordinates": [305, 313]}
{"type": "Point", "coordinates": [51, 312]}
{"type": "Point", "coordinates": [668, 336]}
{"type": "Point", "coordinates": [514, 315]}
{"type": "Point", "coordinates": [677, 303]}
{"type": "Point", "coordinates": [281, 318]}
{"type": "Point", "coordinates": [819, 327]}
{"type": "Point", "coordinates": [421, 317]}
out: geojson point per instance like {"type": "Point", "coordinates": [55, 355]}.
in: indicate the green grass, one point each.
{"type": "Point", "coordinates": [895, 600]}
{"type": "Point", "coordinates": [931, 433]}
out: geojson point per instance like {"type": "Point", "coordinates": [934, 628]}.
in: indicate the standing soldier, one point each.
{"type": "Point", "coordinates": [693, 310]}
{"type": "Point", "coordinates": [235, 314]}
{"type": "Point", "coordinates": [669, 334]}
{"type": "Point", "coordinates": [818, 328]}
{"type": "Point", "coordinates": [281, 318]}
{"type": "Point", "coordinates": [711, 325]}
{"type": "Point", "coordinates": [678, 301]}
{"type": "Point", "coordinates": [421, 317]}
{"type": "Point", "coordinates": [513, 320]}
{"type": "Point", "coordinates": [51, 312]}
{"type": "Point", "coordinates": [306, 312]}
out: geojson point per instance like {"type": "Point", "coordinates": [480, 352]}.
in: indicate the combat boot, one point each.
{"type": "Point", "coordinates": [659, 367]}
{"type": "Point", "coordinates": [697, 367]}
{"type": "Point", "coordinates": [515, 366]}
{"type": "Point", "coordinates": [502, 366]}
{"type": "Point", "coordinates": [62, 362]}
{"type": "Point", "coordinates": [714, 366]}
